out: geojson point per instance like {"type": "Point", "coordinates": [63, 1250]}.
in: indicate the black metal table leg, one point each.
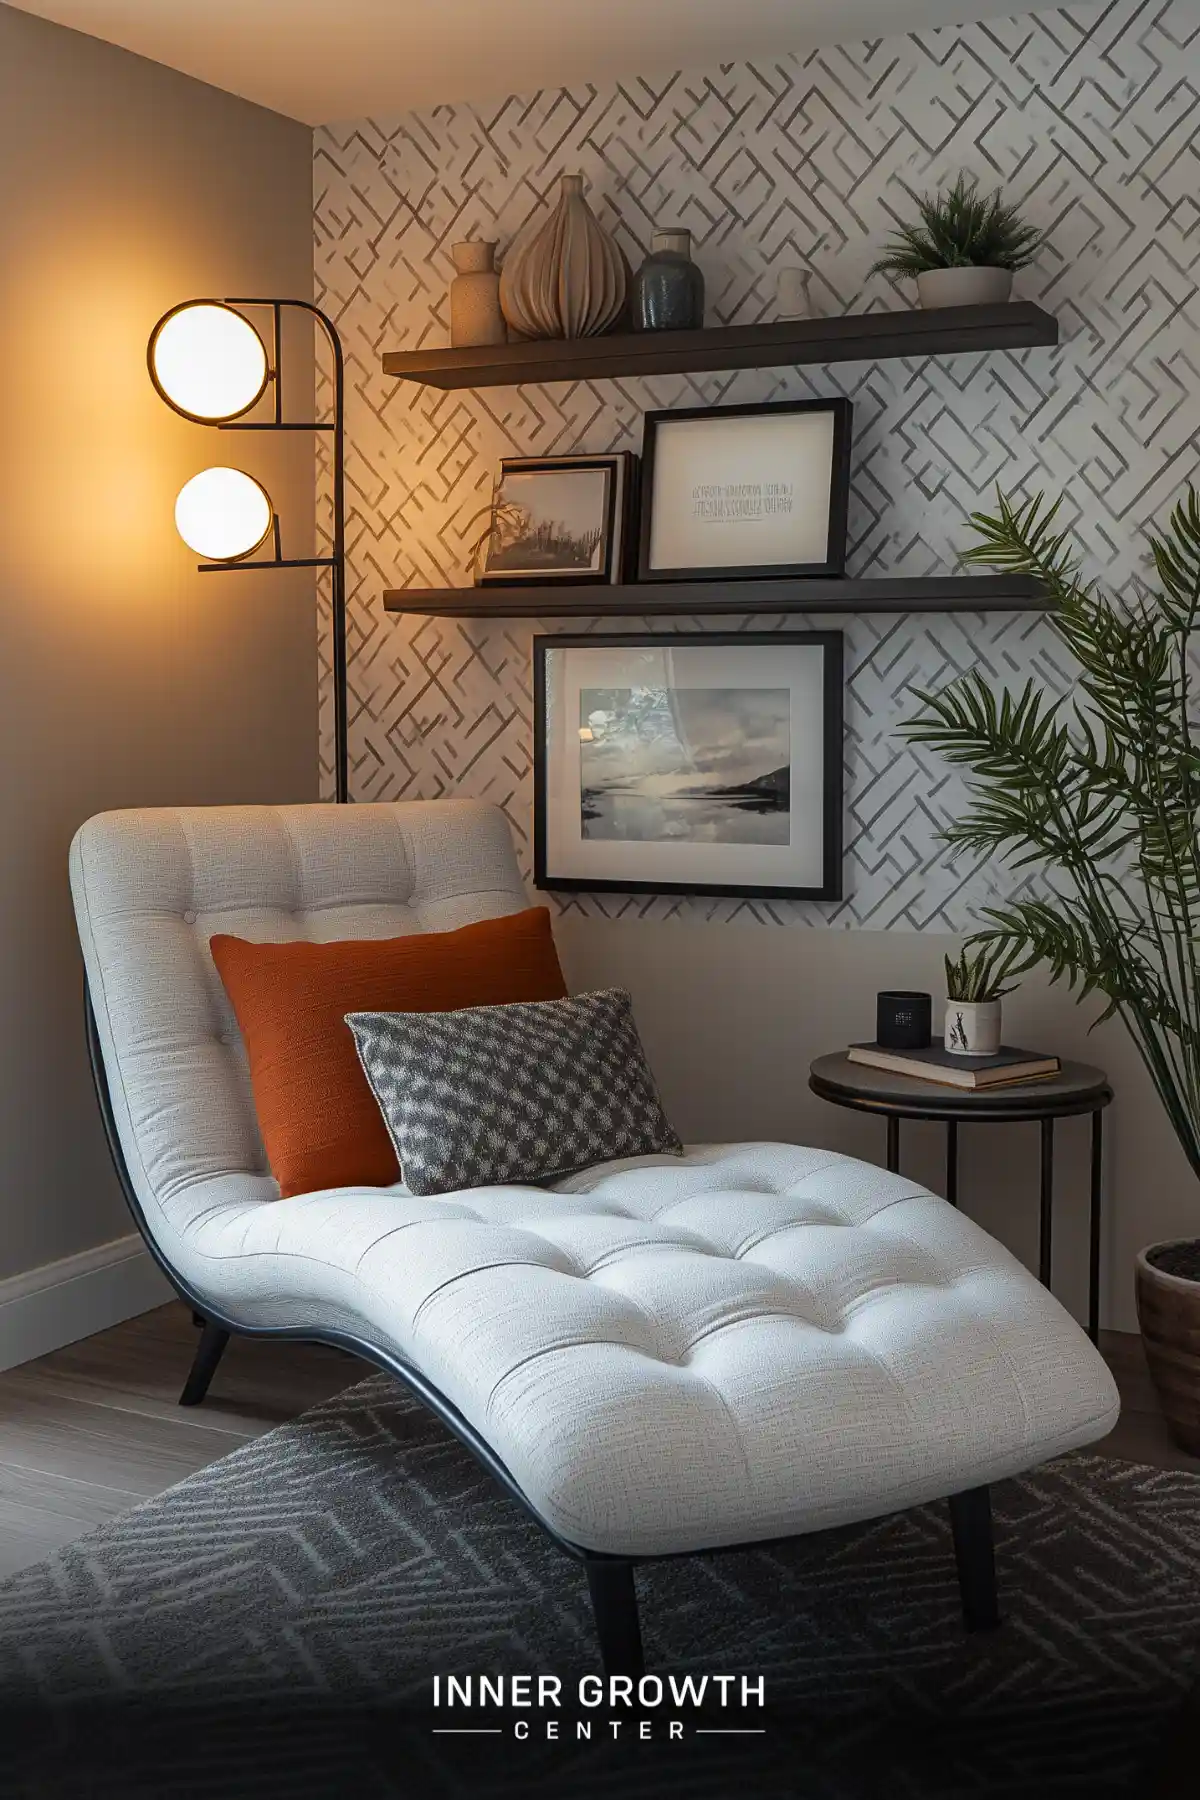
{"type": "Point", "coordinates": [893, 1144]}
{"type": "Point", "coordinates": [1094, 1243]}
{"type": "Point", "coordinates": [952, 1161]}
{"type": "Point", "coordinates": [1045, 1247]}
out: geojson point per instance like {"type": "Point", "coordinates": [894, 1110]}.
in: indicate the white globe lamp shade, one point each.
{"type": "Point", "coordinates": [208, 362]}
{"type": "Point", "coordinates": [223, 514]}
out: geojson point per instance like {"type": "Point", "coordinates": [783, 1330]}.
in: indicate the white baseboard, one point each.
{"type": "Point", "coordinates": [45, 1308]}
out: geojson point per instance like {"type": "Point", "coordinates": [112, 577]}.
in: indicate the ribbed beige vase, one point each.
{"type": "Point", "coordinates": [564, 278]}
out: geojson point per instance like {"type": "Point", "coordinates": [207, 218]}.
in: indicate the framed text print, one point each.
{"type": "Point", "coordinates": [734, 491]}
{"type": "Point", "coordinates": [701, 764]}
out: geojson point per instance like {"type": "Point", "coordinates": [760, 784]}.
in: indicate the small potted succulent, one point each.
{"type": "Point", "coordinates": [974, 989]}
{"type": "Point", "coordinates": [965, 249]}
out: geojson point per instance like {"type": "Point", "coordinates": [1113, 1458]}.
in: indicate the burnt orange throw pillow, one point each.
{"type": "Point", "coordinates": [320, 1122]}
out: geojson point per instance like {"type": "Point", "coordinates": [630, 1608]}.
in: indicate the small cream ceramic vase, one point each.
{"type": "Point", "coordinates": [565, 277]}
{"type": "Point", "coordinates": [973, 1027]}
{"type": "Point", "coordinates": [793, 300]}
{"type": "Point", "coordinates": [475, 316]}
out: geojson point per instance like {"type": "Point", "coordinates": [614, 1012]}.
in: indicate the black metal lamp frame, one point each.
{"type": "Point", "coordinates": [336, 563]}
{"type": "Point", "coordinates": [609, 1577]}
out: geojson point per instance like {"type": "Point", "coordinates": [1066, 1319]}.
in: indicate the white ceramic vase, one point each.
{"type": "Point", "coordinates": [793, 300]}
{"type": "Point", "coordinates": [964, 287]}
{"type": "Point", "coordinates": [973, 1027]}
{"type": "Point", "coordinates": [565, 277]}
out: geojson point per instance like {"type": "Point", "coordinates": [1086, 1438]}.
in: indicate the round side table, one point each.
{"type": "Point", "coordinates": [1076, 1089]}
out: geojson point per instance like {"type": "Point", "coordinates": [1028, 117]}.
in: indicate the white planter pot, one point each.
{"type": "Point", "coordinates": [973, 1027]}
{"type": "Point", "coordinates": [964, 287]}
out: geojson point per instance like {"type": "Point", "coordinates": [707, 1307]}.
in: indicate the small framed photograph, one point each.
{"type": "Point", "coordinates": [740, 491]}
{"type": "Point", "coordinates": [707, 763]}
{"type": "Point", "coordinates": [560, 518]}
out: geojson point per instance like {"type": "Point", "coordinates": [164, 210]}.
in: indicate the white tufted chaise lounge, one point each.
{"type": "Point", "coordinates": [655, 1356]}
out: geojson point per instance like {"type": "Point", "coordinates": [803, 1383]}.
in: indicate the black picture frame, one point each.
{"type": "Point", "coordinates": [620, 471]}
{"type": "Point", "coordinates": [831, 738]}
{"type": "Point", "coordinates": [833, 564]}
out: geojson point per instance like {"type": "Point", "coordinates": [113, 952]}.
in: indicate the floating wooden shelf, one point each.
{"type": "Point", "coordinates": [857, 337]}
{"type": "Point", "coordinates": [922, 593]}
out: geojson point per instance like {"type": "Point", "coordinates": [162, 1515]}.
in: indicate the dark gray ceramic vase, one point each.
{"type": "Point", "coordinates": [668, 289]}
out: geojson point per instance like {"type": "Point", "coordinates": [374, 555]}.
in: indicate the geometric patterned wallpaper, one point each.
{"type": "Point", "coordinates": [1090, 117]}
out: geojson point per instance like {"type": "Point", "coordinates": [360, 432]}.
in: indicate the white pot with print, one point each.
{"type": "Point", "coordinates": [973, 1027]}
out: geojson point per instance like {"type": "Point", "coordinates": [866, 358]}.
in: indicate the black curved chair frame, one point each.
{"type": "Point", "coordinates": [609, 1577]}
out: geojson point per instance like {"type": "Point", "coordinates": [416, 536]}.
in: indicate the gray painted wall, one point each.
{"type": "Point", "coordinates": [1089, 118]}
{"type": "Point", "coordinates": [126, 679]}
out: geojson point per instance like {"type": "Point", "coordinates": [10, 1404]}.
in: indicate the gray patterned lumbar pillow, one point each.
{"type": "Point", "coordinates": [512, 1093]}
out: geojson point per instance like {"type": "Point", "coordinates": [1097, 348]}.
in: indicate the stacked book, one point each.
{"type": "Point", "coordinates": [953, 1070]}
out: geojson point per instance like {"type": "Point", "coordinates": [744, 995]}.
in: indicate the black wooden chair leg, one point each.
{"type": "Point", "coordinates": [211, 1348]}
{"type": "Point", "coordinates": [971, 1523]}
{"type": "Point", "coordinates": [614, 1603]}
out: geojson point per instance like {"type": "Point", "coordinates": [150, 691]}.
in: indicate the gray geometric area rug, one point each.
{"type": "Point", "coordinates": [273, 1625]}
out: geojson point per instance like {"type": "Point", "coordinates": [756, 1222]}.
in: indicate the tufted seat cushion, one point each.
{"type": "Point", "coordinates": [667, 1354]}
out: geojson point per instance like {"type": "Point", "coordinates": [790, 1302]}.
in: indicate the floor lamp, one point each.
{"type": "Point", "coordinates": [210, 364]}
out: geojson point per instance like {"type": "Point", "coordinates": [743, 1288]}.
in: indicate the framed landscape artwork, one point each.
{"type": "Point", "coordinates": [707, 763]}
{"type": "Point", "coordinates": [560, 519]}
{"type": "Point", "coordinates": [744, 491]}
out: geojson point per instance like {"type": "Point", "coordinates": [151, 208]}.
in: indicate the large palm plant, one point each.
{"type": "Point", "coordinates": [1102, 788]}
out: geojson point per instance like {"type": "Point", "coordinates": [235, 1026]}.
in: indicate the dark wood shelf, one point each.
{"type": "Point", "coordinates": [881, 594]}
{"type": "Point", "coordinates": [857, 337]}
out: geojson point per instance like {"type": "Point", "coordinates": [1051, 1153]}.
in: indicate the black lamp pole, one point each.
{"type": "Point", "coordinates": [337, 562]}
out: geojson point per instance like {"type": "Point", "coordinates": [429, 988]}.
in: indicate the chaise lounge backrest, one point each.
{"type": "Point", "coordinates": [151, 887]}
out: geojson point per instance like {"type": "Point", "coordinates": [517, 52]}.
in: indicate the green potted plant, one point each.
{"type": "Point", "coordinates": [974, 990]}
{"type": "Point", "coordinates": [965, 249]}
{"type": "Point", "coordinates": [1102, 788]}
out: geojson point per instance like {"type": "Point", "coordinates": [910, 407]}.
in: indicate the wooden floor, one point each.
{"type": "Point", "coordinates": [89, 1431]}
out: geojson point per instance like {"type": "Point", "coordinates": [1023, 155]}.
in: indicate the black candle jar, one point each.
{"type": "Point", "coordinates": [903, 1020]}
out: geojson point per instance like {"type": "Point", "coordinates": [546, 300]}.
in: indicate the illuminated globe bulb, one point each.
{"type": "Point", "coordinates": [208, 362]}
{"type": "Point", "coordinates": [223, 514]}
